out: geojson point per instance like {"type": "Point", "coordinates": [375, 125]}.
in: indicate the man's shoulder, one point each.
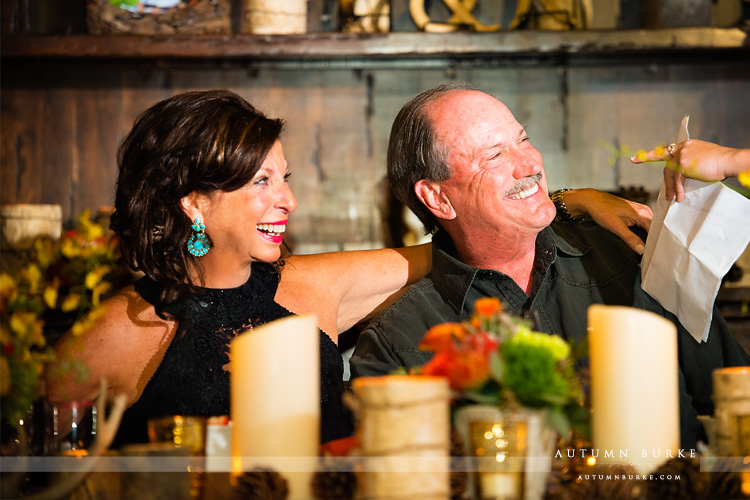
{"type": "Point", "coordinates": [420, 307]}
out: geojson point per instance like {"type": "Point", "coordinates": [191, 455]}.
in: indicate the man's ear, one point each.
{"type": "Point", "coordinates": [435, 199]}
{"type": "Point", "coordinates": [194, 205]}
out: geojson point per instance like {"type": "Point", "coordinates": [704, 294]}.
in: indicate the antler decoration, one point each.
{"type": "Point", "coordinates": [461, 17]}
{"type": "Point", "coordinates": [105, 433]}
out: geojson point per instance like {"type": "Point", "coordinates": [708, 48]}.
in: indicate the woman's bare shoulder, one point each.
{"type": "Point", "coordinates": [124, 345]}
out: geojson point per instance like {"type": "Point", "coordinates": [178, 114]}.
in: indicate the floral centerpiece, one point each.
{"type": "Point", "coordinates": [496, 359]}
{"type": "Point", "coordinates": [65, 279]}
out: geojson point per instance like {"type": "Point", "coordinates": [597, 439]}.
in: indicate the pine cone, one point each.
{"type": "Point", "coordinates": [567, 469]}
{"type": "Point", "coordinates": [725, 485]}
{"type": "Point", "coordinates": [261, 484]}
{"type": "Point", "coordinates": [598, 487]}
{"type": "Point", "coordinates": [691, 485]}
{"type": "Point", "coordinates": [334, 484]}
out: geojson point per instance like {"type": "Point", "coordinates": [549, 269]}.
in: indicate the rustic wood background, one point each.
{"type": "Point", "coordinates": [61, 124]}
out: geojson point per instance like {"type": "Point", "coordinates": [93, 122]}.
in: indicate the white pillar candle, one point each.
{"type": "Point", "coordinates": [275, 395]}
{"type": "Point", "coordinates": [634, 386]}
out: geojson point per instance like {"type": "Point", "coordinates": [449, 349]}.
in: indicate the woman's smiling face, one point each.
{"type": "Point", "coordinates": [247, 224]}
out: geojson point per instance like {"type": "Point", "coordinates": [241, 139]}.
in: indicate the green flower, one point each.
{"type": "Point", "coordinates": [537, 368]}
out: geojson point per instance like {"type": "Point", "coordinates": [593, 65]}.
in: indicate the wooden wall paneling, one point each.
{"type": "Point", "coordinates": [297, 97]}
{"type": "Point", "coordinates": [592, 119]}
{"type": "Point", "coordinates": [347, 159]}
{"type": "Point", "coordinates": [37, 134]}
{"type": "Point", "coordinates": [542, 105]}
{"type": "Point", "coordinates": [94, 170]}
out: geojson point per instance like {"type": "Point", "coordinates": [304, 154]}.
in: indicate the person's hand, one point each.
{"type": "Point", "coordinates": [611, 212]}
{"type": "Point", "coordinates": [693, 158]}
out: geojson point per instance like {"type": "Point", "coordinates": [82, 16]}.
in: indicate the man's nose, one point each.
{"type": "Point", "coordinates": [527, 163]}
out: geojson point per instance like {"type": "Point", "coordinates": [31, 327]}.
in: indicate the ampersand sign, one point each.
{"type": "Point", "coordinates": [461, 17]}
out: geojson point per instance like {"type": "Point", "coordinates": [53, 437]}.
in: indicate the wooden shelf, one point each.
{"type": "Point", "coordinates": [388, 46]}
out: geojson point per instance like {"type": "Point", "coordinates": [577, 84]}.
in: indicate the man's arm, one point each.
{"type": "Point", "coordinates": [376, 354]}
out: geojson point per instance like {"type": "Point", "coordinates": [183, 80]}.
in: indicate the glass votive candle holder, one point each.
{"type": "Point", "coordinates": [73, 427]}
{"type": "Point", "coordinates": [500, 448]}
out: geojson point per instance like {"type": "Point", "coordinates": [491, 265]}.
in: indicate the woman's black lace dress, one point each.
{"type": "Point", "coordinates": [191, 379]}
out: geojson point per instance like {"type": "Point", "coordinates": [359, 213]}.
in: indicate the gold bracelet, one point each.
{"type": "Point", "coordinates": [563, 215]}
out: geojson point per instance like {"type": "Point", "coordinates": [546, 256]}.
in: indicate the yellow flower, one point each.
{"type": "Point", "coordinates": [91, 229]}
{"type": "Point", "coordinates": [45, 251]}
{"type": "Point", "coordinates": [50, 294]}
{"type": "Point", "coordinates": [5, 333]}
{"type": "Point", "coordinates": [28, 328]}
{"type": "Point", "coordinates": [69, 247]}
{"type": "Point", "coordinates": [744, 178]}
{"type": "Point", "coordinates": [71, 302]}
{"type": "Point", "coordinates": [4, 377]}
{"type": "Point", "coordinates": [33, 275]}
{"type": "Point", "coordinates": [8, 286]}
{"type": "Point", "coordinates": [99, 289]}
{"type": "Point", "coordinates": [94, 277]}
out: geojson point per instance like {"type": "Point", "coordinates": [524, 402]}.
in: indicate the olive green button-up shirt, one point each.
{"type": "Point", "coordinates": [575, 265]}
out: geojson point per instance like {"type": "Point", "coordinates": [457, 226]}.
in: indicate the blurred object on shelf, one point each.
{"type": "Point", "coordinates": [271, 17]}
{"type": "Point", "coordinates": [488, 12]}
{"type": "Point", "coordinates": [675, 13]}
{"type": "Point", "coordinates": [43, 17]}
{"type": "Point", "coordinates": [553, 15]}
{"type": "Point", "coordinates": [23, 223]}
{"type": "Point", "coordinates": [196, 17]}
{"type": "Point", "coordinates": [322, 16]}
{"type": "Point", "coordinates": [365, 16]}
{"type": "Point", "coordinates": [734, 304]}
{"type": "Point", "coordinates": [727, 13]}
{"type": "Point", "coordinates": [461, 18]}
{"type": "Point", "coordinates": [739, 275]}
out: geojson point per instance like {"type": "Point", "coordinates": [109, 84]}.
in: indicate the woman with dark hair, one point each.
{"type": "Point", "coordinates": [201, 206]}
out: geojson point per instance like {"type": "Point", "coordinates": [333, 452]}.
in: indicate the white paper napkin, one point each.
{"type": "Point", "coordinates": [691, 245]}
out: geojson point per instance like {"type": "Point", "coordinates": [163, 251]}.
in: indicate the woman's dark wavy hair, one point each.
{"type": "Point", "coordinates": [200, 141]}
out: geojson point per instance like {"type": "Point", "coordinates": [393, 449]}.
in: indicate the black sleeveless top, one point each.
{"type": "Point", "coordinates": [191, 379]}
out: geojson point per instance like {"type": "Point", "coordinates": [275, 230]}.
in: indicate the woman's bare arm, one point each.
{"type": "Point", "coordinates": [343, 288]}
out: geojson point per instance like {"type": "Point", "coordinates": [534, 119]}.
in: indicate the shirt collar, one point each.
{"type": "Point", "coordinates": [453, 278]}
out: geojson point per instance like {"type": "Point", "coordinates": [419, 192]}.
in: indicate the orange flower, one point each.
{"type": "Point", "coordinates": [482, 342]}
{"type": "Point", "coordinates": [442, 337]}
{"type": "Point", "coordinates": [487, 306]}
{"type": "Point", "coordinates": [464, 369]}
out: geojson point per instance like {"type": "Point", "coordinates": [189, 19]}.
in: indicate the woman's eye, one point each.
{"type": "Point", "coordinates": [262, 180]}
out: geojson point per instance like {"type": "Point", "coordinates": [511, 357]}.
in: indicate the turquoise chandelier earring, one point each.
{"type": "Point", "coordinates": [198, 244]}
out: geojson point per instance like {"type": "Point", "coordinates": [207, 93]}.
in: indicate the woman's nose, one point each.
{"type": "Point", "coordinates": [286, 200]}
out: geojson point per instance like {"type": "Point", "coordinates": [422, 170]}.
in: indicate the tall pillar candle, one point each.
{"type": "Point", "coordinates": [634, 386]}
{"type": "Point", "coordinates": [275, 396]}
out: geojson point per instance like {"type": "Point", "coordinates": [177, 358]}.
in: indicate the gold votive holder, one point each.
{"type": "Point", "coordinates": [500, 447]}
{"type": "Point", "coordinates": [185, 433]}
{"type": "Point", "coordinates": [182, 431]}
